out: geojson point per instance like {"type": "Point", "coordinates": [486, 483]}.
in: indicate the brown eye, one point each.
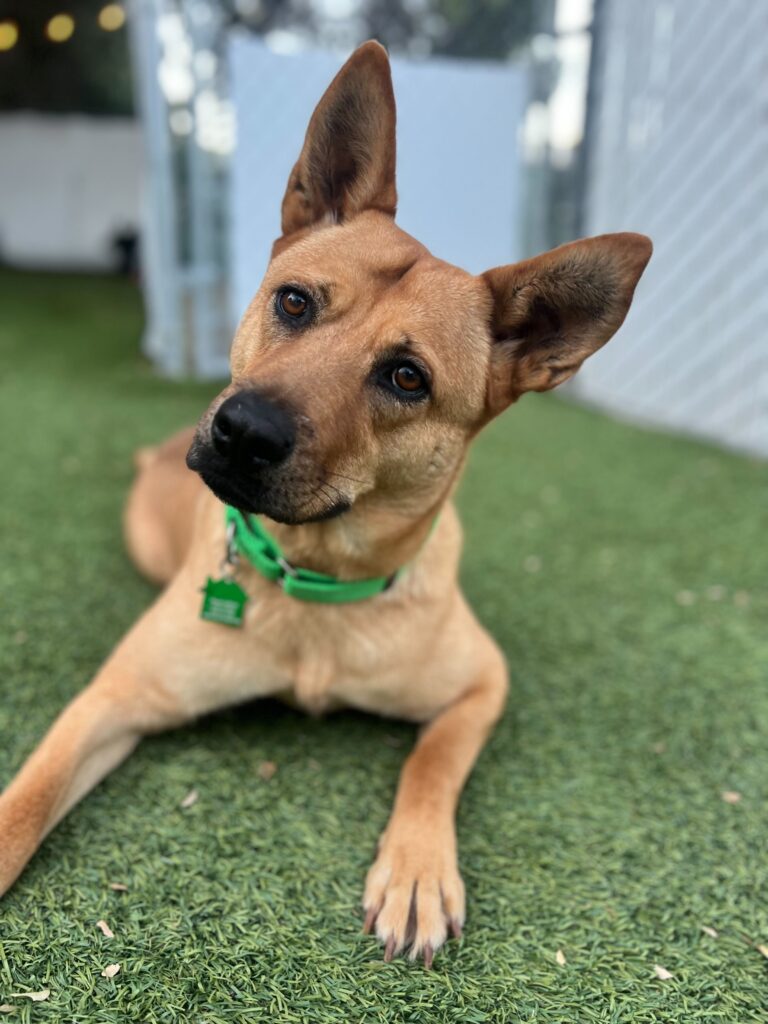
{"type": "Point", "coordinates": [407, 378]}
{"type": "Point", "coordinates": [292, 303]}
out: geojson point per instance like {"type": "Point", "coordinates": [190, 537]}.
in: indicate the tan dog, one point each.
{"type": "Point", "coordinates": [360, 374]}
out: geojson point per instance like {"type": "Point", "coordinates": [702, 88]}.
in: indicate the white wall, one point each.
{"type": "Point", "coordinates": [680, 151]}
{"type": "Point", "coordinates": [67, 185]}
{"type": "Point", "coordinates": [459, 168]}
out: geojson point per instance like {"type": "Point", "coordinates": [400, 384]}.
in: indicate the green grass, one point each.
{"type": "Point", "coordinates": [593, 823]}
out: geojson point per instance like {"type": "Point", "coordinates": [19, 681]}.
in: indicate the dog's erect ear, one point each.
{"type": "Point", "coordinates": [551, 312]}
{"type": "Point", "coordinates": [347, 164]}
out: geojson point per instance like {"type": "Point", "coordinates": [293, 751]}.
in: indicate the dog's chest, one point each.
{"type": "Point", "coordinates": [327, 658]}
{"type": "Point", "coordinates": [313, 685]}
{"type": "Point", "coordinates": [365, 665]}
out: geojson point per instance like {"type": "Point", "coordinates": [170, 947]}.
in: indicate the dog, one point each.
{"type": "Point", "coordinates": [361, 372]}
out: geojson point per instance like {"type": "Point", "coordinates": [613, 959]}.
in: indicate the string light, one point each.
{"type": "Point", "coordinates": [9, 34]}
{"type": "Point", "coordinates": [112, 17]}
{"type": "Point", "coordinates": [60, 28]}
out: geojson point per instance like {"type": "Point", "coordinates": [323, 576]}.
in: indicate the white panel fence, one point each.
{"type": "Point", "coordinates": [459, 170]}
{"type": "Point", "coordinates": [679, 150]}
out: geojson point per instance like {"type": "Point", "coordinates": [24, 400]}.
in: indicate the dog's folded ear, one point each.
{"type": "Point", "coordinates": [551, 312]}
{"type": "Point", "coordinates": [347, 164]}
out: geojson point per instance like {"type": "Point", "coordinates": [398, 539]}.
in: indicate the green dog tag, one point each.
{"type": "Point", "coordinates": [223, 602]}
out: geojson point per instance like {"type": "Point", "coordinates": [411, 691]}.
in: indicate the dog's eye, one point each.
{"type": "Point", "coordinates": [292, 304]}
{"type": "Point", "coordinates": [406, 377]}
{"type": "Point", "coordinates": [402, 378]}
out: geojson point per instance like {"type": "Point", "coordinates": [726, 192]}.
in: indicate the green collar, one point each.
{"type": "Point", "coordinates": [248, 537]}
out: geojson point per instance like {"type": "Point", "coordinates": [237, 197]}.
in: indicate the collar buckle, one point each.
{"type": "Point", "coordinates": [285, 565]}
{"type": "Point", "coordinates": [231, 557]}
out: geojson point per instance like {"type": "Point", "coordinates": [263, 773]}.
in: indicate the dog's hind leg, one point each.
{"type": "Point", "coordinates": [160, 511]}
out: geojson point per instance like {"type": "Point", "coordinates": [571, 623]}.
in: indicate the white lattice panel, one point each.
{"type": "Point", "coordinates": [679, 151]}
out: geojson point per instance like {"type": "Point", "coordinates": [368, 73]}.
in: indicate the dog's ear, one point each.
{"type": "Point", "coordinates": [551, 312]}
{"type": "Point", "coordinates": [347, 164]}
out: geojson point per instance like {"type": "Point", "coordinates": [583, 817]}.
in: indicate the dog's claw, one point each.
{"type": "Point", "coordinates": [418, 896]}
{"type": "Point", "coordinates": [370, 920]}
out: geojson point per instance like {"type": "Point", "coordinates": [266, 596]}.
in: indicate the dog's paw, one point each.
{"type": "Point", "coordinates": [414, 895]}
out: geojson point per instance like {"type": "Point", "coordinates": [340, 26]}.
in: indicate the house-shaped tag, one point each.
{"type": "Point", "coordinates": [223, 602]}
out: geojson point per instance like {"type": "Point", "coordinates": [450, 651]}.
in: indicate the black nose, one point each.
{"type": "Point", "coordinates": [251, 431]}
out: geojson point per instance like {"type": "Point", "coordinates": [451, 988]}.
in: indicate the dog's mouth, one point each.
{"type": "Point", "coordinates": [285, 497]}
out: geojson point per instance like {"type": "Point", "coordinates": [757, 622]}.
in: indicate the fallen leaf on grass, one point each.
{"type": "Point", "coordinates": [763, 950]}
{"type": "Point", "coordinates": [662, 973]}
{"type": "Point", "coordinates": [560, 957]}
{"type": "Point", "coordinates": [105, 929]}
{"type": "Point", "coordinates": [118, 887]}
{"type": "Point", "coordinates": [711, 932]}
{"type": "Point", "coordinates": [731, 796]}
{"type": "Point", "coordinates": [266, 770]}
{"type": "Point", "coordinates": [111, 971]}
{"type": "Point", "coordinates": [190, 799]}
{"type": "Point", "coordinates": [36, 997]}
{"type": "Point", "coordinates": [7, 1008]}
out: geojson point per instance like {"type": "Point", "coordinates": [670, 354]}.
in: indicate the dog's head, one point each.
{"type": "Point", "coordinates": [364, 365]}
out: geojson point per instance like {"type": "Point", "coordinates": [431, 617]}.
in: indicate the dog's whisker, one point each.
{"type": "Point", "coordinates": [308, 501]}
{"type": "Point", "coordinates": [339, 495]}
{"type": "Point", "coordinates": [351, 479]}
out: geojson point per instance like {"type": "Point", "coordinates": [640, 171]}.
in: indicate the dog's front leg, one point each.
{"type": "Point", "coordinates": [414, 893]}
{"type": "Point", "coordinates": [90, 738]}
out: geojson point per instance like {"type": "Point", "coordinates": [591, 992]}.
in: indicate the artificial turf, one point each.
{"type": "Point", "coordinates": [624, 573]}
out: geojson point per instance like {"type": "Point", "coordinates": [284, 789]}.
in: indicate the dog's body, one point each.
{"type": "Point", "coordinates": [361, 372]}
{"type": "Point", "coordinates": [317, 657]}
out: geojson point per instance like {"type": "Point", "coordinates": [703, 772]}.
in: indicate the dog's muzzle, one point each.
{"type": "Point", "coordinates": [249, 435]}
{"type": "Point", "coordinates": [250, 432]}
